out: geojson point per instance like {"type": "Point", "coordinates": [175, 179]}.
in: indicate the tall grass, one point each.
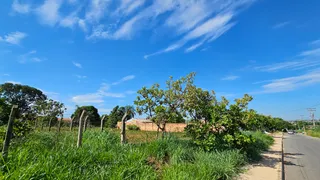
{"type": "Point", "coordinates": [49, 155]}
{"type": "Point", "coordinates": [314, 132]}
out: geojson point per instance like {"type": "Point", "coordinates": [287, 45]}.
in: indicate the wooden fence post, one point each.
{"type": "Point", "coordinates": [123, 129]}
{"type": "Point", "coordinates": [85, 123]}
{"type": "Point", "coordinates": [71, 124]}
{"type": "Point", "coordinates": [59, 125]}
{"type": "Point", "coordinates": [102, 123]}
{"type": "Point", "coordinates": [79, 143]}
{"type": "Point", "coordinates": [50, 121]}
{"type": "Point", "coordinates": [6, 142]}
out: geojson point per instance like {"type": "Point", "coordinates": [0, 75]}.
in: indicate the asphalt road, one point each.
{"type": "Point", "coordinates": [302, 157]}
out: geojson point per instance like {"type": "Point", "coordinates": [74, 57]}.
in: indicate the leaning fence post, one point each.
{"type": "Point", "coordinates": [102, 123]}
{"type": "Point", "coordinates": [50, 121]}
{"type": "Point", "coordinates": [123, 129]}
{"type": "Point", "coordinates": [79, 143]}
{"type": "Point", "coordinates": [59, 125]}
{"type": "Point", "coordinates": [85, 123]}
{"type": "Point", "coordinates": [9, 132]}
{"type": "Point", "coordinates": [71, 124]}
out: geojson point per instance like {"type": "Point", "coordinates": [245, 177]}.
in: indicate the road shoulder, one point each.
{"type": "Point", "coordinates": [269, 168]}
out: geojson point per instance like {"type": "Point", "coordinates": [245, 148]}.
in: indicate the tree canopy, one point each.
{"type": "Point", "coordinates": [22, 95]}
{"type": "Point", "coordinates": [92, 112]}
{"type": "Point", "coordinates": [116, 115]}
{"type": "Point", "coordinates": [4, 111]}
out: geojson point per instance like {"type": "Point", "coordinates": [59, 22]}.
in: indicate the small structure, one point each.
{"type": "Point", "coordinates": [148, 125]}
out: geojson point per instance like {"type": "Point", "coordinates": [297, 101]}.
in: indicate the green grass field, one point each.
{"type": "Point", "coordinates": [52, 155]}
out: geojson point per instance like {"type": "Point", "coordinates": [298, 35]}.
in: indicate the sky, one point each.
{"type": "Point", "coordinates": [100, 52]}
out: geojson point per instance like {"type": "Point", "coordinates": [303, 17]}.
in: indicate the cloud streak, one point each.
{"type": "Point", "coordinates": [78, 65]}
{"type": "Point", "coordinates": [13, 38]}
{"type": "Point", "coordinates": [230, 78]}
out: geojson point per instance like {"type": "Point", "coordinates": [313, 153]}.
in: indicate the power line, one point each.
{"type": "Point", "coordinates": [311, 111]}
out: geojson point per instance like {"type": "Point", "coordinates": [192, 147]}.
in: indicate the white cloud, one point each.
{"type": "Point", "coordinates": [315, 42]}
{"type": "Point", "coordinates": [131, 92]}
{"type": "Point", "coordinates": [291, 83]}
{"type": "Point", "coordinates": [126, 78]}
{"type": "Point", "coordinates": [313, 52]}
{"type": "Point", "coordinates": [281, 25]}
{"type": "Point", "coordinates": [6, 74]}
{"type": "Point", "coordinates": [13, 82]}
{"type": "Point", "coordinates": [69, 21]}
{"type": "Point", "coordinates": [96, 10]}
{"type": "Point", "coordinates": [82, 25]}
{"type": "Point", "coordinates": [20, 8]}
{"type": "Point", "coordinates": [78, 65]}
{"type": "Point", "coordinates": [104, 111]}
{"type": "Point", "coordinates": [129, 6]}
{"type": "Point", "coordinates": [230, 78]}
{"type": "Point", "coordinates": [88, 98]}
{"type": "Point", "coordinates": [30, 57]}
{"type": "Point", "coordinates": [80, 77]}
{"type": "Point", "coordinates": [13, 38]}
{"type": "Point", "coordinates": [48, 12]}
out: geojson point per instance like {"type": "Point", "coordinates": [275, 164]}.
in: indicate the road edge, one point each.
{"type": "Point", "coordinates": [282, 160]}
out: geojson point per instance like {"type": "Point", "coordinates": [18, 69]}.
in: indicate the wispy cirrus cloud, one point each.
{"type": "Point", "coordinates": [98, 96]}
{"type": "Point", "coordinates": [281, 25]}
{"type": "Point", "coordinates": [13, 82]}
{"type": "Point", "coordinates": [13, 38]}
{"type": "Point", "coordinates": [76, 64]}
{"type": "Point", "coordinates": [126, 78]}
{"type": "Point", "coordinates": [193, 23]}
{"type": "Point", "coordinates": [290, 83]}
{"type": "Point", "coordinates": [30, 57]}
{"type": "Point", "coordinates": [20, 7]}
{"type": "Point", "coordinates": [230, 78]}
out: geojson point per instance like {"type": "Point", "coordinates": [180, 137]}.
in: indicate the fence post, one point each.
{"type": "Point", "coordinates": [59, 125]}
{"type": "Point", "coordinates": [50, 121]}
{"type": "Point", "coordinates": [79, 143]}
{"type": "Point", "coordinates": [9, 132]}
{"type": "Point", "coordinates": [71, 124]}
{"type": "Point", "coordinates": [102, 123]}
{"type": "Point", "coordinates": [123, 129]}
{"type": "Point", "coordinates": [85, 123]}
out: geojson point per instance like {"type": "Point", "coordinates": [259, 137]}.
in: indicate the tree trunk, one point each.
{"type": "Point", "coordinates": [50, 121]}
{"type": "Point", "coordinates": [85, 123]}
{"type": "Point", "coordinates": [79, 143]}
{"type": "Point", "coordinates": [6, 142]}
{"type": "Point", "coordinates": [158, 129]}
{"type": "Point", "coordinates": [123, 129]}
{"type": "Point", "coordinates": [59, 125]}
{"type": "Point", "coordinates": [71, 123]}
{"type": "Point", "coordinates": [102, 123]}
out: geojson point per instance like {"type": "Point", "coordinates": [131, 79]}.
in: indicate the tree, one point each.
{"type": "Point", "coordinates": [163, 106]}
{"type": "Point", "coordinates": [116, 116]}
{"type": "Point", "coordinates": [50, 109]}
{"type": "Point", "coordinates": [22, 95]}
{"type": "Point", "coordinates": [91, 111]}
{"type": "Point", "coordinates": [4, 112]}
{"type": "Point", "coordinates": [128, 113]}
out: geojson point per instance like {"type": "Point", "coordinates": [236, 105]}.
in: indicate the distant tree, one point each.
{"type": "Point", "coordinates": [22, 95]}
{"type": "Point", "coordinates": [94, 116]}
{"type": "Point", "coordinates": [4, 112]}
{"type": "Point", "coordinates": [115, 116]}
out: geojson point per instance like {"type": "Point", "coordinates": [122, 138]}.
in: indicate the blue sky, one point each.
{"type": "Point", "coordinates": [101, 52]}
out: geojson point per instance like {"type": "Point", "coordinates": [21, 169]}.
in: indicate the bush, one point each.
{"type": "Point", "coordinates": [133, 127]}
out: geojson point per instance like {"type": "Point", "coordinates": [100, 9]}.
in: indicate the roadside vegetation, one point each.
{"type": "Point", "coordinates": [314, 132]}
{"type": "Point", "coordinates": [221, 137]}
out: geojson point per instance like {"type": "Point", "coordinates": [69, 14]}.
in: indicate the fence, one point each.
{"type": "Point", "coordinates": [150, 126]}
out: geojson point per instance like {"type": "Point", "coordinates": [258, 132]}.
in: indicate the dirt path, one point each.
{"type": "Point", "coordinates": [269, 168]}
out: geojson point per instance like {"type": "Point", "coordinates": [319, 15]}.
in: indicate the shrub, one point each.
{"type": "Point", "coordinates": [133, 127]}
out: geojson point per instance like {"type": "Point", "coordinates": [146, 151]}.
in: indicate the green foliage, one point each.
{"type": "Point", "coordinates": [133, 127]}
{"type": "Point", "coordinates": [21, 128]}
{"type": "Point", "coordinates": [21, 95]}
{"type": "Point", "coordinates": [115, 116]}
{"type": "Point", "coordinates": [54, 156]}
{"type": "Point", "coordinates": [314, 132]}
{"type": "Point", "coordinates": [4, 112]}
{"type": "Point", "coordinates": [92, 112]}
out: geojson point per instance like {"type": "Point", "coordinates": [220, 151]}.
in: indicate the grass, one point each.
{"type": "Point", "coordinates": [52, 155]}
{"type": "Point", "coordinates": [314, 132]}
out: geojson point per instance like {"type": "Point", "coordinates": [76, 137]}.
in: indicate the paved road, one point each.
{"type": "Point", "coordinates": [302, 157]}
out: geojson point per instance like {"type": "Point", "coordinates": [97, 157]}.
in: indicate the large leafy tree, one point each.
{"type": "Point", "coordinates": [92, 112]}
{"type": "Point", "coordinates": [49, 109]}
{"type": "Point", "coordinates": [116, 116]}
{"type": "Point", "coordinates": [22, 95]}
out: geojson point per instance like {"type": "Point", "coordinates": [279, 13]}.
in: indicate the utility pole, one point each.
{"type": "Point", "coordinates": [311, 111]}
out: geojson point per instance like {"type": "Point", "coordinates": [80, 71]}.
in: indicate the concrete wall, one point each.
{"type": "Point", "coordinates": [150, 126]}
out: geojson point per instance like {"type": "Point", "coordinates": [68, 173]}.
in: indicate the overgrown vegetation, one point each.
{"type": "Point", "coordinates": [314, 132]}
{"type": "Point", "coordinates": [48, 155]}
